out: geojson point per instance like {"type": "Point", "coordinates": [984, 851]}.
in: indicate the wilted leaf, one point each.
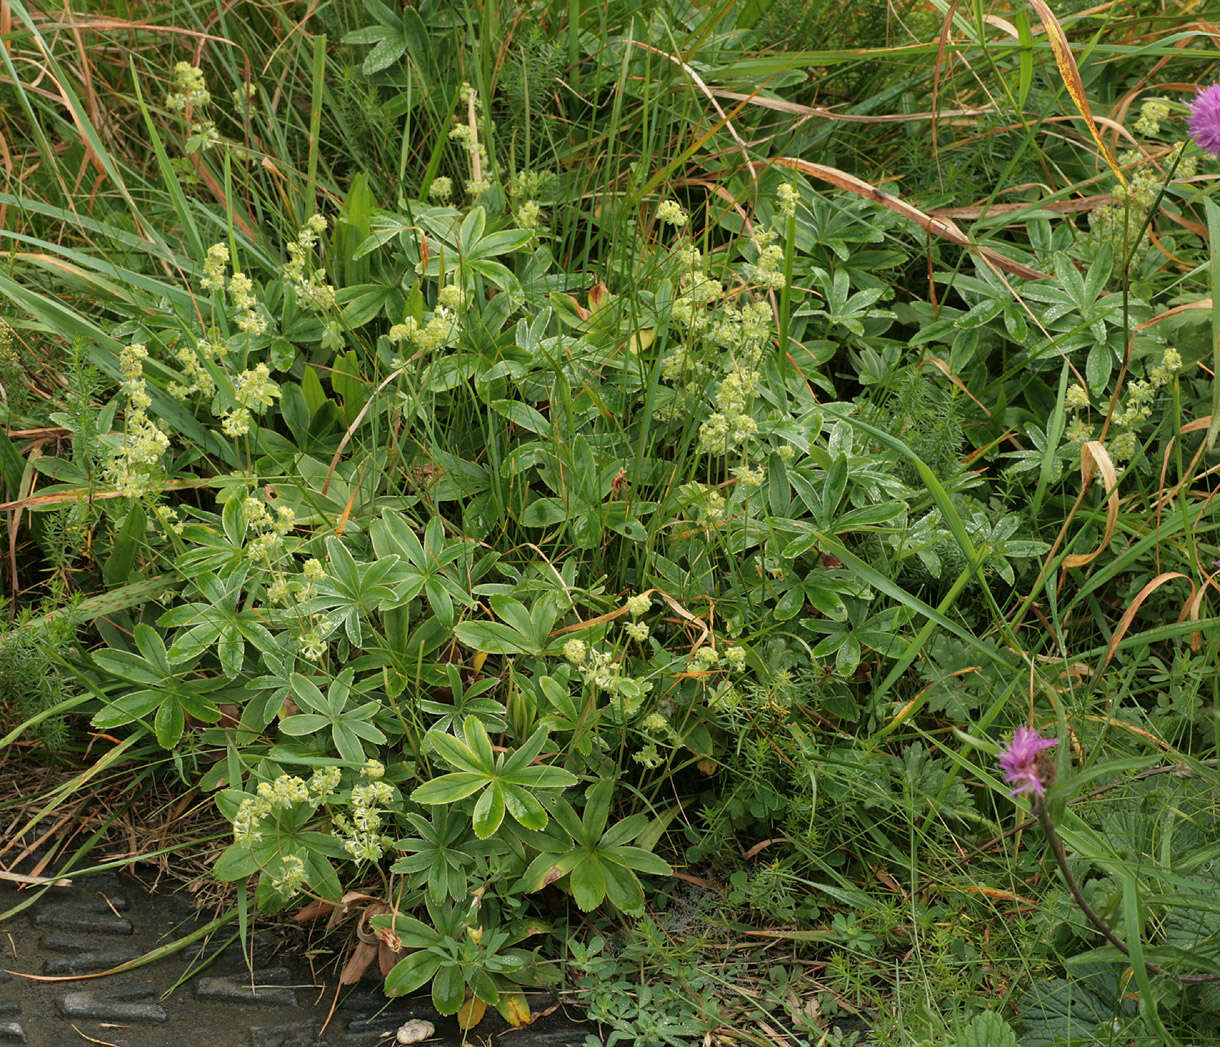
{"type": "Point", "coordinates": [471, 1013]}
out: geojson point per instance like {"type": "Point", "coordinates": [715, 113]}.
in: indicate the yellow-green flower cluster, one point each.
{"type": "Point", "coordinates": [1152, 112]}
{"type": "Point", "coordinates": [441, 190]}
{"type": "Point", "coordinates": [270, 797]}
{"type": "Point", "coordinates": [215, 264]}
{"type": "Point", "coordinates": [134, 467]}
{"type": "Point", "coordinates": [1119, 221]}
{"type": "Point", "coordinates": [768, 270]}
{"type": "Point", "coordinates": [241, 293]}
{"type": "Point", "coordinates": [648, 757]}
{"type": "Point", "coordinates": [466, 134]}
{"type": "Point", "coordinates": [253, 391]}
{"type": "Point", "coordinates": [712, 505]}
{"type": "Point", "coordinates": [637, 631]}
{"type": "Point", "coordinates": [1135, 410]}
{"type": "Point", "coordinates": [528, 215]}
{"type": "Point", "coordinates": [168, 516]}
{"type": "Point", "coordinates": [604, 672]}
{"type": "Point", "coordinates": [266, 544]}
{"type": "Point", "coordinates": [670, 212]}
{"type": "Point", "coordinates": [361, 831]}
{"type": "Point", "coordinates": [292, 874]}
{"type": "Point", "coordinates": [639, 605]}
{"type": "Point", "coordinates": [443, 329]}
{"type": "Point", "coordinates": [749, 475]}
{"type": "Point", "coordinates": [1076, 398]}
{"type": "Point", "coordinates": [656, 723]}
{"type": "Point", "coordinates": [313, 290]}
{"type": "Point", "coordinates": [282, 794]}
{"type": "Point", "coordinates": [523, 189]}
{"type": "Point", "coordinates": [312, 641]}
{"type": "Point", "coordinates": [203, 136]}
{"type": "Point", "coordinates": [244, 97]}
{"type": "Point", "coordinates": [787, 198]}
{"type": "Point", "coordinates": [189, 88]}
{"type": "Point", "coordinates": [196, 376]}
{"type": "Point", "coordinates": [7, 354]}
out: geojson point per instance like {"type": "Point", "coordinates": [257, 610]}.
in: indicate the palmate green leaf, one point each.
{"type": "Point", "coordinates": [387, 51]}
{"type": "Point", "coordinates": [597, 810]}
{"type": "Point", "coordinates": [546, 868]}
{"type": "Point", "coordinates": [987, 1030]}
{"type": "Point", "coordinates": [588, 882]}
{"type": "Point", "coordinates": [236, 862]}
{"type": "Point", "coordinates": [458, 754]}
{"type": "Point", "coordinates": [448, 989]}
{"type": "Point", "coordinates": [489, 811]}
{"type": "Point", "coordinates": [540, 776]}
{"type": "Point", "coordinates": [307, 693]}
{"type": "Point", "coordinates": [494, 638]}
{"type": "Point", "coordinates": [544, 512]}
{"type": "Point", "coordinates": [360, 722]}
{"type": "Point", "coordinates": [637, 858]}
{"type": "Point", "coordinates": [126, 666]}
{"type": "Point", "coordinates": [525, 754]}
{"type": "Point", "coordinates": [524, 807]}
{"type": "Point", "coordinates": [303, 723]}
{"type": "Point", "coordinates": [347, 742]}
{"type": "Point", "coordinates": [130, 707]}
{"type": "Point", "coordinates": [152, 647]}
{"type": "Point", "coordinates": [409, 974]}
{"type": "Point", "coordinates": [478, 742]}
{"type": "Point", "coordinates": [628, 829]}
{"type": "Point", "coordinates": [504, 242]}
{"type": "Point", "coordinates": [413, 933]}
{"type": "Point", "coordinates": [448, 788]}
{"type": "Point", "coordinates": [623, 889]}
{"type": "Point", "coordinates": [321, 875]}
{"type": "Point", "coordinates": [169, 724]}
{"type": "Point", "coordinates": [484, 988]}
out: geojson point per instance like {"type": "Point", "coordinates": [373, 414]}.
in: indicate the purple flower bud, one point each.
{"type": "Point", "coordinates": [1023, 763]}
{"type": "Point", "coordinates": [1205, 119]}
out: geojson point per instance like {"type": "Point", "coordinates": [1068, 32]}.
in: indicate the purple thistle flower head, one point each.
{"type": "Point", "coordinates": [1204, 120]}
{"type": "Point", "coordinates": [1023, 763]}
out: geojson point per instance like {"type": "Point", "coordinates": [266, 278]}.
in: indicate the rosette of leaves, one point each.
{"type": "Point", "coordinates": [600, 863]}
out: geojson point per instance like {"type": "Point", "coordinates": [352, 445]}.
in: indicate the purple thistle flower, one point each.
{"type": "Point", "coordinates": [1204, 120]}
{"type": "Point", "coordinates": [1023, 764]}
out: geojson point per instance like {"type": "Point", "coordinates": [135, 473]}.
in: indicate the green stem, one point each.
{"type": "Point", "coordinates": [1052, 837]}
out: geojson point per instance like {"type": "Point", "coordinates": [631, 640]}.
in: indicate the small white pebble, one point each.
{"type": "Point", "coordinates": [415, 1030]}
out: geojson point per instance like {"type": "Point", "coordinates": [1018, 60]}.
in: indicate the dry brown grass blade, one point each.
{"type": "Point", "coordinates": [83, 494]}
{"type": "Point", "coordinates": [811, 112]}
{"type": "Point", "coordinates": [943, 368]}
{"type": "Point", "coordinates": [942, 228]}
{"type": "Point", "coordinates": [35, 881]}
{"type": "Point", "coordinates": [6, 161]}
{"type": "Point", "coordinates": [1124, 623]}
{"type": "Point", "coordinates": [1095, 458]}
{"type": "Point", "coordinates": [1130, 728]}
{"type": "Point", "coordinates": [1165, 496]}
{"type": "Point", "coordinates": [1070, 74]}
{"type": "Point", "coordinates": [1082, 203]}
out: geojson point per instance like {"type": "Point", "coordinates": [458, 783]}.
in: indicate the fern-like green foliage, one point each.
{"type": "Point", "coordinates": [31, 681]}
